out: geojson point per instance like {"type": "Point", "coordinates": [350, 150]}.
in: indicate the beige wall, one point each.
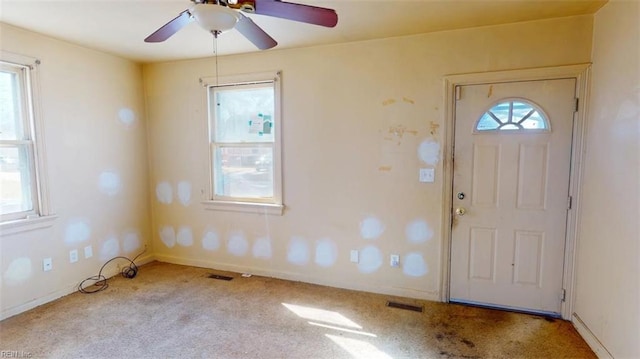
{"type": "Point", "coordinates": [341, 173]}
{"type": "Point", "coordinates": [96, 161]}
{"type": "Point", "coordinates": [608, 268]}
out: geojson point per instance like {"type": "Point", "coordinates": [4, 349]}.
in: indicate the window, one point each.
{"type": "Point", "coordinates": [21, 185]}
{"type": "Point", "coordinates": [244, 138]}
{"type": "Point", "coordinates": [513, 115]}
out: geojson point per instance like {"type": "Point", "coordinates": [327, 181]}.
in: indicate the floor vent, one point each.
{"type": "Point", "coordinates": [220, 277]}
{"type": "Point", "coordinates": [404, 306]}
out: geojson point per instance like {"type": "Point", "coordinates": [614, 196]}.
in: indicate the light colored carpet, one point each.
{"type": "Point", "coordinates": [172, 311]}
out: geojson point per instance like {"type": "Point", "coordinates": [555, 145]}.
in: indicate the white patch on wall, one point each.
{"type": "Point", "coordinates": [185, 236]}
{"type": "Point", "coordinates": [370, 259]}
{"type": "Point", "coordinates": [18, 271]}
{"type": "Point", "coordinates": [371, 228]}
{"type": "Point", "coordinates": [418, 231]}
{"type": "Point", "coordinates": [414, 265]}
{"type": "Point", "coordinates": [429, 152]}
{"type": "Point", "coordinates": [127, 116]}
{"type": "Point", "coordinates": [109, 183]}
{"type": "Point", "coordinates": [262, 248]}
{"type": "Point", "coordinates": [130, 241]}
{"type": "Point", "coordinates": [164, 192]}
{"type": "Point", "coordinates": [298, 251]}
{"type": "Point", "coordinates": [326, 252]}
{"type": "Point", "coordinates": [237, 244]}
{"type": "Point", "coordinates": [77, 231]}
{"type": "Point", "coordinates": [168, 236]}
{"type": "Point", "coordinates": [210, 240]}
{"type": "Point", "coordinates": [184, 192]}
{"type": "Point", "coordinates": [110, 248]}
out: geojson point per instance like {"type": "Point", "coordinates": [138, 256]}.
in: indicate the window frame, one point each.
{"type": "Point", "coordinates": [273, 205]}
{"type": "Point", "coordinates": [33, 139]}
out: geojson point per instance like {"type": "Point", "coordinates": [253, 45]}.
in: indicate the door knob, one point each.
{"type": "Point", "coordinates": [460, 211]}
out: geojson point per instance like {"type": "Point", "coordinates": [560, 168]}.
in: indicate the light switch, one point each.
{"type": "Point", "coordinates": [427, 174]}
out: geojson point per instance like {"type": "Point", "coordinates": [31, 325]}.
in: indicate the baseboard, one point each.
{"type": "Point", "coordinates": [10, 312]}
{"type": "Point", "coordinates": [590, 338]}
{"type": "Point", "coordinates": [68, 289]}
{"type": "Point", "coordinates": [297, 277]}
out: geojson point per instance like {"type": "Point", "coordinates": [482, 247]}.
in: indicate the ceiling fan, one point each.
{"type": "Point", "coordinates": [216, 16]}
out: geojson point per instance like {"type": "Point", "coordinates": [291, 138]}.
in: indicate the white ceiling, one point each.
{"type": "Point", "coordinates": [120, 26]}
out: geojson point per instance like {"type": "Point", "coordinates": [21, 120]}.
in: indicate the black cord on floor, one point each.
{"type": "Point", "coordinates": [100, 281]}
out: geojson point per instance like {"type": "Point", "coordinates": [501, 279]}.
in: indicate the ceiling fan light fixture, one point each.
{"type": "Point", "coordinates": [215, 18]}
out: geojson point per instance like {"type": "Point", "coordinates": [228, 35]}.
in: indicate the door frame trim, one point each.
{"type": "Point", "coordinates": [579, 72]}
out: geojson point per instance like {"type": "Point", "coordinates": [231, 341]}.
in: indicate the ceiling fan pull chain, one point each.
{"type": "Point", "coordinates": [215, 53]}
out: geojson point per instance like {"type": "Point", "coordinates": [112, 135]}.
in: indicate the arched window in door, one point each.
{"type": "Point", "coordinates": [513, 115]}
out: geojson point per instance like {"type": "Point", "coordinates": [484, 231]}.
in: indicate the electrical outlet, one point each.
{"type": "Point", "coordinates": [395, 260]}
{"type": "Point", "coordinates": [88, 252]}
{"type": "Point", "coordinates": [354, 256]}
{"type": "Point", "coordinates": [47, 264]}
{"type": "Point", "coordinates": [73, 256]}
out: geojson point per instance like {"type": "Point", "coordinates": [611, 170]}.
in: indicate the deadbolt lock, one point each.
{"type": "Point", "coordinates": [460, 195]}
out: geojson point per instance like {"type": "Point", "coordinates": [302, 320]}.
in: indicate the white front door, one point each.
{"type": "Point", "coordinates": [512, 159]}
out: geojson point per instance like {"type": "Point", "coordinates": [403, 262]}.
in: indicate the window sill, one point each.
{"type": "Point", "coordinates": [27, 224]}
{"type": "Point", "coordinates": [246, 207]}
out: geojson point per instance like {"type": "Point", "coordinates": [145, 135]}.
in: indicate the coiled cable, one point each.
{"type": "Point", "coordinates": [99, 283]}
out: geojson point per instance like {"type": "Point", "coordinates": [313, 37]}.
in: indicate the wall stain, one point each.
{"type": "Point", "coordinates": [384, 168]}
{"type": "Point", "coordinates": [400, 130]}
{"type": "Point", "coordinates": [397, 131]}
{"type": "Point", "coordinates": [490, 91]}
{"type": "Point", "coordinates": [433, 128]}
{"type": "Point", "coordinates": [408, 100]}
{"type": "Point", "coordinates": [388, 102]}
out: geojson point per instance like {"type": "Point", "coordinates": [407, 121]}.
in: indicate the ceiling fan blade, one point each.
{"type": "Point", "coordinates": [297, 12]}
{"type": "Point", "coordinates": [170, 28]}
{"type": "Point", "coordinates": [254, 33]}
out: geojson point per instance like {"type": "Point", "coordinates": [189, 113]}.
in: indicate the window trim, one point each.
{"type": "Point", "coordinates": [237, 204]}
{"type": "Point", "coordinates": [41, 215]}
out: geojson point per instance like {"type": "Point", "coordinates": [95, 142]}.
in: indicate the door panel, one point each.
{"type": "Point", "coordinates": [507, 246]}
{"type": "Point", "coordinates": [486, 161]}
{"type": "Point", "coordinates": [482, 254]}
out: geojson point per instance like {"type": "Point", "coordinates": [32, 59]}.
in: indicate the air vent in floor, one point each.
{"type": "Point", "coordinates": [220, 277]}
{"type": "Point", "coordinates": [404, 306]}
